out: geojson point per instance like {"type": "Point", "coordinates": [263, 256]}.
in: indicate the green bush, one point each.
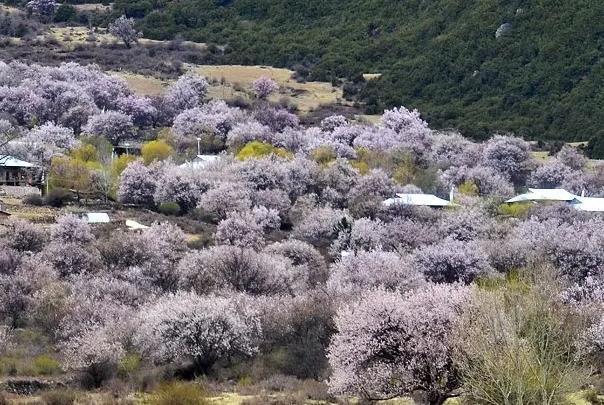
{"type": "Point", "coordinates": [128, 365]}
{"type": "Point", "coordinates": [169, 208]}
{"type": "Point", "coordinates": [59, 397]}
{"type": "Point", "coordinates": [323, 155]}
{"type": "Point", "coordinates": [257, 149]}
{"type": "Point", "coordinates": [65, 12]}
{"type": "Point", "coordinates": [58, 197]}
{"type": "Point", "coordinates": [8, 366]}
{"type": "Point", "coordinates": [46, 365]}
{"type": "Point", "coordinates": [179, 393]}
{"type": "Point", "coordinates": [593, 397]}
{"type": "Point", "coordinates": [468, 187]}
{"type": "Point", "coordinates": [595, 147]}
{"type": "Point", "coordinates": [34, 199]}
{"type": "Point", "coordinates": [516, 210]}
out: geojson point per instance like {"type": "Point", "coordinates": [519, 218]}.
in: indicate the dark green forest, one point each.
{"type": "Point", "coordinates": [542, 78]}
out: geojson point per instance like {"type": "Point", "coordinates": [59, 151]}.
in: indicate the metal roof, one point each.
{"type": "Point", "coordinates": [592, 204]}
{"type": "Point", "coordinates": [426, 200]}
{"type": "Point", "coordinates": [11, 161]}
{"type": "Point", "coordinates": [135, 226]}
{"type": "Point", "coordinates": [544, 194]}
{"type": "Point", "coordinates": [97, 218]}
{"type": "Point", "coordinates": [200, 161]}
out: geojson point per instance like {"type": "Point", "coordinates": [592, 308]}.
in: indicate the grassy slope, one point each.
{"type": "Point", "coordinates": [544, 79]}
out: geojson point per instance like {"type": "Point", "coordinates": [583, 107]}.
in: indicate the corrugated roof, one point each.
{"type": "Point", "coordinates": [200, 161]}
{"type": "Point", "coordinates": [11, 161]}
{"type": "Point", "coordinates": [592, 204]}
{"type": "Point", "coordinates": [544, 194]}
{"type": "Point", "coordinates": [135, 226]}
{"type": "Point", "coordinates": [425, 200]}
{"type": "Point", "coordinates": [97, 218]}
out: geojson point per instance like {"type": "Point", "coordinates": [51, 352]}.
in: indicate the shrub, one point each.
{"type": "Point", "coordinates": [178, 393]}
{"type": "Point", "coordinates": [518, 347]}
{"type": "Point", "coordinates": [59, 397]}
{"type": "Point", "coordinates": [468, 187]}
{"type": "Point", "coordinates": [156, 150]}
{"type": "Point", "coordinates": [257, 149]}
{"type": "Point", "coordinates": [128, 365]}
{"type": "Point", "coordinates": [516, 210]}
{"type": "Point", "coordinates": [33, 199]}
{"type": "Point", "coordinates": [323, 155]}
{"type": "Point", "coordinates": [46, 365]}
{"type": "Point", "coordinates": [58, 197]}
{"type": "Point", "coordinates": [169, 208]}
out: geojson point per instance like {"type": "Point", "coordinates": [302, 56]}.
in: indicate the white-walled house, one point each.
{"type": "Point", "coordinates": [590, 204]}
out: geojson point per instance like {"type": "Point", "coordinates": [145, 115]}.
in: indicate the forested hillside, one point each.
{"type": "Point", "coordinates": [541, 78]}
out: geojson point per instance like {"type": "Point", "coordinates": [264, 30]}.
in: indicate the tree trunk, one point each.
{"type": "Point", "coordinates": [203, 365]}
{"type": "Point", "coordinates": [436, 398]}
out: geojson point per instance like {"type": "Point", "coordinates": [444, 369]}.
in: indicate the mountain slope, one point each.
{"type": "Point", "coordinates": [542, 79]}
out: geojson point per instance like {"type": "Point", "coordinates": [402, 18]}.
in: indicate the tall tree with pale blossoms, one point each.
{"type": "Point", "coordinates": [189, 91]}
{"type": "Point", "coordinates": [43, 9]}
{"type": "Point", "coordinates": [123, 28]}
{"type": "Point", "coordinates": [203, 330]}
{"type": "Point", "coordinates": [113, 125]}
{"type": "Point", "coordinates": [264, 86]}
{"type": "Point", "coordinates": [390, 345]}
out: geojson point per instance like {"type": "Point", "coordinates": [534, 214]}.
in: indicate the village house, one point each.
{"type": "Point", "coordinates": [419, 200]}
{"type": "Point", "coordinates": [580, 203]}
{"type": "Point", "coordinates": [16, 172]}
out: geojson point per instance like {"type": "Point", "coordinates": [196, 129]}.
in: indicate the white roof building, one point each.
{"type": "Point", "coordinates": [97, 218]}
{"type": "Point", "coordinates": [591, 204]}
{"type": "Point", "coordinates": [135, 226]}
{"type": "Point", "coordinates": [418, 200]}
{"type": "Point", "coordinates": [581, 203]}
{"type": "Point", "coordinates": [544, 194]}
{"type": "Point", "coordinates": [10, 161]}
{"type": "Point", "coordinates": [200, 161]}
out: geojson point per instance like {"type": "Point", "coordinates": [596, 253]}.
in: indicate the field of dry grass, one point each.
{"type": "Point", "coordinates": [230, 81]}
{"type": "Point", "coordinates": [141, 84]}
{"type": "Point", "coordinates": [9, 9]}
{"type": "Point", "coordinates": [23, 211]}
{"type": "Point", "coordinates": [98, 7]}
{"type": "Point", "coordinates": [238, 80]}
{"type": "Point", "coordinates": [68, 37]}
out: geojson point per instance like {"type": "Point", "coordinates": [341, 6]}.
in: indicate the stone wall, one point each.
{"type": "Point", "coordinates": [18, 191]}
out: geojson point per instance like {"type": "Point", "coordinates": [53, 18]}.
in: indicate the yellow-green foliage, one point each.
{"type": "Point", "coordinates": [46, 365]}
{"type": "Point", "coordinates": [85, 153]}
{"type": "Point", "coordinates": [244, 381]}
{"type": "Point", "coordinates": [469, 188]}
{"type": "Point", "coordinates": [257, 149]}
{"type": "Point", "coordinates": [9, 366]}
{"type": "Point", "coordinates": [179, 393]}
{"type": "Point", "coordinates": [517, 345]}
{"type": "Point", "coordinates": [128, 365]}
{"type": "Point", "coordinates": [120, 164]}
{"type": "Point", "coordinates": [156, 150]}
{"type": "Point", "coordinates": [405, 170]}
{"type": "Point", "coordinates": [59, 397]}
{"type": "Point", "coordinates": [512, 281]}
{"type": "Point", "coordinates": [69, 173]}
{"type": "Point", "coordinates": [323, 155]}
{"type": "Point", "coordinates": [516, 210]}
{"type": "Point", "coordinates": [369, 159]}
{"type": "Point", "coordinates": [362, 167]}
